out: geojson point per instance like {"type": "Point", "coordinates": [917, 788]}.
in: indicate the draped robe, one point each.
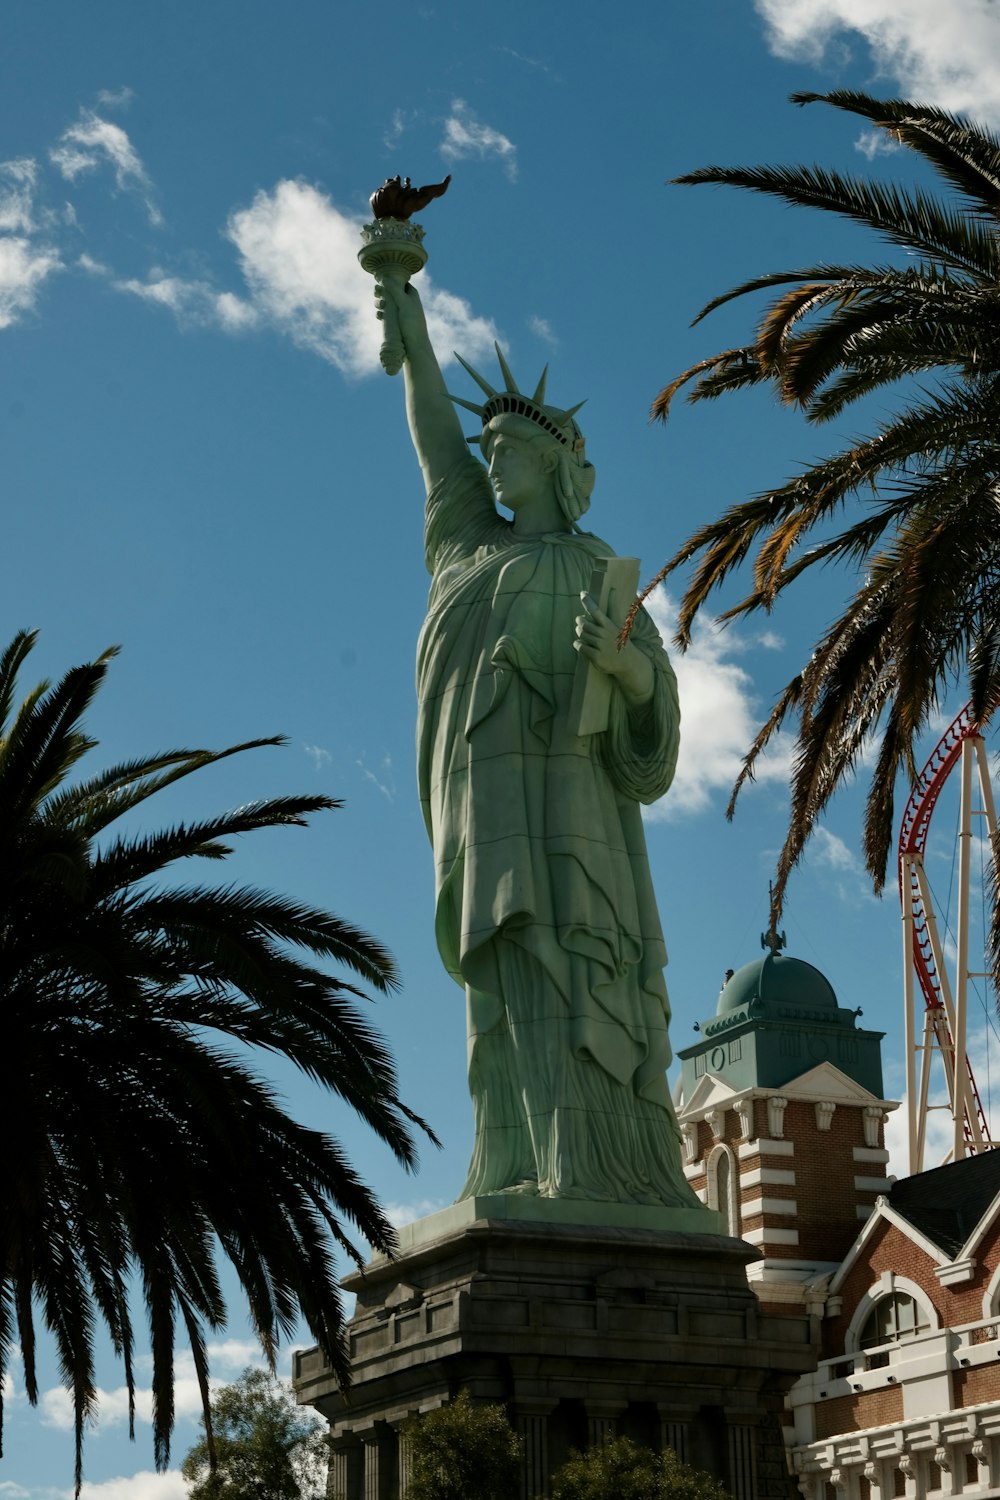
{"type": "Point", "coordinates": [545, 911]}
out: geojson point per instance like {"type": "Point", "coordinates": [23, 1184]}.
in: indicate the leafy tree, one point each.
{"type": "Point", "coordinates": [926, 546]}
{"type": "Point", "coordinates": [464, 1452]}
{"type": "Point", "coordinates": [621, 1470]}
{"type": "Point", "coordinates": [145, 1138]}
{"type": "Point", "coordinates": [267, 1447]}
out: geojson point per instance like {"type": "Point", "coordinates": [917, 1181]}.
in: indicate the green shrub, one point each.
{"type": "Point", "coordinates": [463, 1452]}
{"type": "Point", "coordinates": [622, 1470]}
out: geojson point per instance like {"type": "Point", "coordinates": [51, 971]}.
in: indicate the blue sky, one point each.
{"type": "Point", "coordinates": [202, 462]}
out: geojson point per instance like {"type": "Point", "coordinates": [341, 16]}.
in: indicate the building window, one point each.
{"type": "Point", "coordinates": [721, 1187]}
{"type": "Point", "coordinates": [895, 1317]}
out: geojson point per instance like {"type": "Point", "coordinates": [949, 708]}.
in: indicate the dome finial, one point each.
{"type": "Point", "coordinates": [772, 939]}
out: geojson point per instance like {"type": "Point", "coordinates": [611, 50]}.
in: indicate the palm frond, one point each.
{"type": "Point", "coordinates": [133, 1015]}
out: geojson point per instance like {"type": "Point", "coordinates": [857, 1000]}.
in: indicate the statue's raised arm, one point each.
{"type": "Point", "coordinates": [434, 425]}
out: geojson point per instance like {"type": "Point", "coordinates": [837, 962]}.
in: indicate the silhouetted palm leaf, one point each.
{"type": "Point", "coordinates": [145, 1140]}
{"type": "Point", "coordinates": [926, 613]}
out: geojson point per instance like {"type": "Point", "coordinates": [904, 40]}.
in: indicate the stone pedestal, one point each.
{"type": "Point", "coordinates": [582, 1331]}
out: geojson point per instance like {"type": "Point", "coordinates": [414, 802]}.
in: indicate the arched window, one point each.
{"type": "Point", "coordinates": [722, 1194]}
{"type": "Point", "coordinates": [894, 1317]}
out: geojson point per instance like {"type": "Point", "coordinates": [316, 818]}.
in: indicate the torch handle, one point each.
{"type": "Point", "coordinates": [392, 352]}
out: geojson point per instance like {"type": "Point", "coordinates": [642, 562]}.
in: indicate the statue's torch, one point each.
{"type": "Point", "coordinates": [393, 249]}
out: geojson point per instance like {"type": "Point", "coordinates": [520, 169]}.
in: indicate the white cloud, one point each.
{"type": "Point", "coordinates": [318, 756]}
{"type": "Point", "coordinates": [299, 256]}
{"type": "Point", "coordinates": [935, 53]}
{"type": "Point", "coordinates": [93, 142]}
{"type": "Point", "coordinates": [191, 302]}
{"type": "Point", "coordinates": [141, 1486]}
{"type": "Point", "coordinates": [465, 135]}
{"type": "Point", "coordinates": [383, 778]}
{"type": "Point", "coordinates": [828, 849]}
{"type": "Point", "coordinates": [116, 98]}
{"type": "Point", "coordinates": [17, 188]}
{"type": "Point", "coordinates": [227, 1358]}
{"type": "Point", "coordinates": [872, 143]}
{"type": "Point", "coordinates": [24, 265]}
{"type": "Point", "coordinates": [542, 328]}
{"type": "Point", "coordinates": [719, 716]}
{"type": "Point", "coordinates": [399, 1214]}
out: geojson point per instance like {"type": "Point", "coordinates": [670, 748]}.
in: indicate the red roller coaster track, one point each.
{"type": "Point", "coordinates": [912, 843]}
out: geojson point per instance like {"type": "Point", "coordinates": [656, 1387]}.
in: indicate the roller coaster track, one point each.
{"type": "Point", "coordinates": [962, 735]}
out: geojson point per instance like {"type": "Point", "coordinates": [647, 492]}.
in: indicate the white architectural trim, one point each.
{"type": "Point", "coordinates": [991, 1295]}
{"type": "Point", "coordinates": [756, 1206]}
{"type": "Point", "coordinates": [766, 1235]}
{"type": "Point", "coordinates": [957, 1271]}
{"type": "Point", "coordinates": [985, 1223]}
{"type": "Point", "coordinates": [765, 1147]}
{"type": "Point", "coordinates": [759, 1176]}
{"type": "Point", "coordinates": [712, 1163]}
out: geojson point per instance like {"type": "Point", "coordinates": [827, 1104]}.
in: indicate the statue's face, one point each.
{"type": "Point", "coordinates": [519, 471]}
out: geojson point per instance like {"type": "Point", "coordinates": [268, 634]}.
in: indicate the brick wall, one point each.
{"type": "Point", "coordinates": [974, 1387]}
{"type": "Point", "coordinates": [849, 1413]}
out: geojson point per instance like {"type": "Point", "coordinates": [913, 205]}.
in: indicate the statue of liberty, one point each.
{"type": "Point", "coordinates": [545, 913]}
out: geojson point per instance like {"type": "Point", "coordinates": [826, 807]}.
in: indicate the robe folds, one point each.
{"type": "Point", "coordinates": [537, 835]}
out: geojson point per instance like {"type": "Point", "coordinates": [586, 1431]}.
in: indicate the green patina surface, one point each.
{"type": "Point", "coordinates": [545, 913]}
{"type": "Point", "coordinates": [776, 1018]}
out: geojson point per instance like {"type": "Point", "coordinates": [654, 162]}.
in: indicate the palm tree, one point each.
{"type": "Point", "coordinates": [924, 539]}
{"type": "Point", "coordinates": [139, 1137]}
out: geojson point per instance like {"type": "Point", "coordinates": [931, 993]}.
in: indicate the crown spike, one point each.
{"type": "Point", "coordinates": [483, 385]}
{"type": "Point", "coordinates": [509, 381]}
{"type": "Point", "coordinates": [570, 413]}
{"type": "Point", "coordinates": [539, 395]}
{"type": "Point", "coordinates": [469, 405]}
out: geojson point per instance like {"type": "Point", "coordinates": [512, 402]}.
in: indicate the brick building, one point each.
{"type": "Point", "coordinates": [783, 1125]}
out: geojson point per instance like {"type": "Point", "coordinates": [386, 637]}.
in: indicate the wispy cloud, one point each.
{"type": "Point", "coordinates": [719, 716]}
{"type": "Point", "coordinates": [383, 778]}
{"type": "Point", "coordinates": [24, 266]}
{"type": "Point", "coordinates": [17, 188]}
{"type": "Point", "coordinates": [399, 1214]}
{"type": "Point", "coordinates": [465, 135]}
{"type": "Point", "coordinates": [93, 142]}
{"type": "Point", "coordinates": [141, 1486]}
{"type": "Point", "coordinates": [27, 258]}
{"type": "Point", "coordinates": [319, 757]}
{"type": "Point", "coordinates": [227, 1358]}
{"type": "Point", "coordinates": [872, 143]}
{"type": "Point", "coordinates": [192, 302]}
{"type": "Point", "coordinates": [542, 329]}
{"type": "Point", "coordinates": [945, 54]}
{"type": "Point", "coordinates": [298, 255]}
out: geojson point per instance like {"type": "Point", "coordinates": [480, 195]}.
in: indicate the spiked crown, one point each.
{"type": "Point", "coordinates": [554, 421]}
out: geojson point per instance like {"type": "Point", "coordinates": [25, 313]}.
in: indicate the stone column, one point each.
{"type": "Point", "coordinates": [346, 1479]}
{"type": "Point", "coordinates": [379, 1466]}
{"type": "Point", "coordinates": [404, 1452]}
{"type": "Point", "coordinates": [675, 1430]}
{"type": "Point", "coordinates": [531, 1421]}
{"type": "Point", "coordinates": [602, 1420]}
{"type": "Point", "coordinates": [741, 1445]}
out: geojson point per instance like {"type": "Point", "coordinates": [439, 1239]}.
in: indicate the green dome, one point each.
{"type": "Point", "coordinates": [777, 981]}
